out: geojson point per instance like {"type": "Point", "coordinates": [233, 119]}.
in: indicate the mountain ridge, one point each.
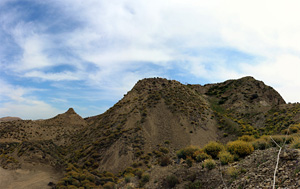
{"type": "Point", "coordinates": [152, 121]}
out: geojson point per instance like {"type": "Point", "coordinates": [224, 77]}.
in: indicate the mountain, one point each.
{"type": "Point", "coordinates": [146, 127]}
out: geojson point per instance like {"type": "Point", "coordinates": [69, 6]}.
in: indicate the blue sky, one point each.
{"type": "Point", "coordinates": [87, 54]}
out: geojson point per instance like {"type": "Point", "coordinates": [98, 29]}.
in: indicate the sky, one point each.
{"type": "Point", "coordinates": [86, 54]}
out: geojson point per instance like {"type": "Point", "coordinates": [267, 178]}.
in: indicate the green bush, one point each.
{"type": "Point", "coordinates": [187, 152]}
{"type": "Point", "coordinates": [172, 180]}
{"type": "Point", "coordinates": [202, 156]}
{"type": "Point", "coordinates": [247, 138]}
{"type": "Point", "coordinates": [139, 173]}
{"type": "Point", "coordinates": [240, 148]}
{"type": "Point", "coordinates": [109, 185]}
{"type": "Point", "coordinates": [194, 185]}
{"type": "Point", "coordinates": [164, 161]}
{"type": "Point", "coordinates": [293, 129]}
{"type": "Point", "coordinates": [225, 157]}
{"type": "Point", "coordinates": [260, 144]}
{"type": "Point", "coordinates": [213, 149]}
{"type": "Point", "coordinates": [164, 150]}
{"type": "Point", "coordinates": [233, 172]}
{"type": "Point", "coordinates": [296, 143]}
{"type": "Point", "coordinates": [209, 164]}
{"type": "Point", "coordinates": [145, 178]}
{"type": "Point", "coordinates": [279, 139]}
{"type": "Point", "coordinates": [189, 161]}
{"type": "Point", "coordinates": [128, 177]}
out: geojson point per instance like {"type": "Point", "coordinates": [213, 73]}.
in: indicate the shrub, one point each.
{"type": "Point", "coordinates": [145, 178]}
{"type": "Point", "coordinates": [127, 170]}
{"type": "Point", "coordinates": [164, 161]}
{"type": "Point", "coordinates": [240, 148]}
{"type": "Point", "coordinates": [109, 185]}
{"type": "Point", "coordinates": [139, 173]}
{"type": "Point", "coordinates": [225, 157]}
{"type": "Point", "coordinates": [187, 152]}
{"type": "Point", "coordinates": [164, 150]}
{"type": "Point", "coordinates": [296, 143]}
{"type": "Point", "coordinates": [233, 172]}
{"type": "Point", "coordinates": [279, 139]}
{"type": "Point", "coordinates": [167, 142]}
{"type": "Point", "coordinates": [266, 138]}
{"type": "Point", "coordinates": [213, 149]}
{"type": "Point", "coordinates": [209, 164]}
{"type": "Point", "coordinates": [260, 144]}
{"type": "Point", "coordinates": [289, 139]}
{"type": "Point", "coordinates": [247, 138]}
{"type": "Point", "coordinates": [128, 177]}
{"type": "Point", "coordinates": [202, 156]}
{"type": "Point", "coordinates": [293, 129]}
{"type": "Point", "coordinates": [194, 185]}
{"type": "Point", "coordinates": [172, 180]}
{"type": "Point", "coordinates": [189, 161]}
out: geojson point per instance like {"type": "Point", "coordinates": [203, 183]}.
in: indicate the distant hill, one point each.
{"type": "Point", "coordinates": [154, 120]}
{"type": "Point", "coordinates": [5, 119]}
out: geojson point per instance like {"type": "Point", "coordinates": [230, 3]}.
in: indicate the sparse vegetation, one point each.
{"type": "Point", "coordinates": [172, 180]}
{"type": "Point", "coordinates": [213, 149]}
{"type": "Point", "coordinates": [225, 157]}
{"type": "Point", "coordinates": [209, 164]}
{"type": "Point", "coordinates": [240, 148]}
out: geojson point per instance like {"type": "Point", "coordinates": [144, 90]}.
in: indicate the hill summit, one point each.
{"type": "Point", "coordinates": [144, 131]}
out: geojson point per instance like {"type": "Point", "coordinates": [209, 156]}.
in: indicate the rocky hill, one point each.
{"type": "Point", "coordinates": [143, 132]}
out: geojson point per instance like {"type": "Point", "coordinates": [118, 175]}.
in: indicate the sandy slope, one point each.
{"type": "Point", "coordinates": [31, 178]}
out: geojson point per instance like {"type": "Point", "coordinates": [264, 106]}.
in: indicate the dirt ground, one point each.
{"type": "Point", "coordinates": [28, 177]}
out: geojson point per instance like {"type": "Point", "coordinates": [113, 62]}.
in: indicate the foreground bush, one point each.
{"type": "Point", "coordinates": [172, 180]}
{"type": "Point", "coordinates": [187, 152]}
{"type": "Point", "coordinates": [145, 178]}
{"type": "Point", "coordinates": [247, 138]}
{"type": "Point", "coordinates": [209, 164]}
{"type": "Point", "coordinates": [213, 149]}
{"type": "Point", "coordinates": [240, 148]}
{"type": "Point", "coordinates": [164, 161]}
{"type": "Point", "coordinates": [109, 185]}
{"type": "Point", "coordinates": [296, 143]}
{"type": "Point", "coordinates": [189, 161]}
{"type": "Point", "coordinates": [225, 157]}
{"type": "Point", "coordinates": [202, 156]}
{"type": "Point", "coordinates": [232, 172]}
{"type": "Point", "coordinates": [260, 144]}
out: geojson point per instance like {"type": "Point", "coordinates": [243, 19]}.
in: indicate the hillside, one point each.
{"type": "Point", "coordinates": [5, 119]}
{"type": "Point", "coordinates": [146, 127]}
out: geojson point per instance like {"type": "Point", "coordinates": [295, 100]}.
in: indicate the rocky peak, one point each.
{"type": "Point", "coordinates": [71, 111]}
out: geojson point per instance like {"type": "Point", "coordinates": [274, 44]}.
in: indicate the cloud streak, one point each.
{"type": "Point", "coordinates": [108, 45]}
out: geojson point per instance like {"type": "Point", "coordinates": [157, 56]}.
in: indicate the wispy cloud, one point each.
{"type": "Point", "coordinates": [108, 45]}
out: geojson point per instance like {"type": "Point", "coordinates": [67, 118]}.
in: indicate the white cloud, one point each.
{"type": "Point", "coordinates": [33, 46]}
{"type": "Point", "coordinates": [62, 76]}
{"type": "Point", "coordinates": [112, 44]}
{"type": "Point", "coordinates": [30, 109]}
{"type": "Point", "coordinates": [282, 73]}
{"type": "Point", "coordinates": [15, 101]}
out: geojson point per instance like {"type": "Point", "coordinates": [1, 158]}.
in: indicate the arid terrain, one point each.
{"type": "Point", "coordinates": [161, 134]}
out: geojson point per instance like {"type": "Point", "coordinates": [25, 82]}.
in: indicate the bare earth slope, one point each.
{"type": "Point", "coordinates": [153, 120]}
